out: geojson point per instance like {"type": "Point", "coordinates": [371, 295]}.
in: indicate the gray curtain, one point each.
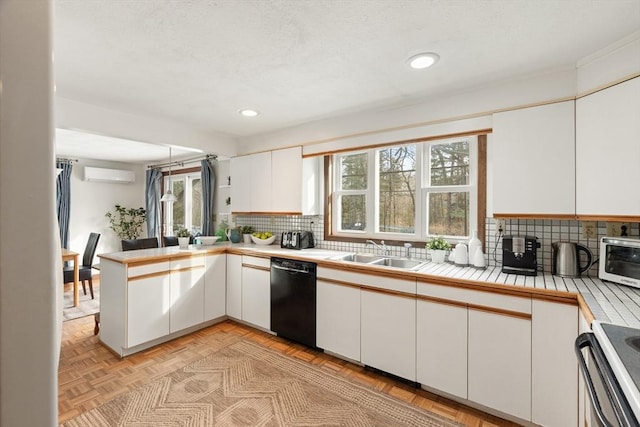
{"type": "Point", "coordinates": [208, 195]}
{"type": "Point", "coordinates": [63, 201]}
{"type": "Point", "coordinates": [153, 193]}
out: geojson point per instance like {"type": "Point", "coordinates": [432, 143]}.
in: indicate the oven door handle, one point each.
{"type": "Point", "coordinates": [588, 340]}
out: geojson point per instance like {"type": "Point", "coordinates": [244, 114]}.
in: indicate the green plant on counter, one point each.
{"type": "Point", "coordinates": [183, 232]}
{"type": "Point", "coordinates": [127, 222]}
{"type": "Point", "coordinates": [246, 229]}
{"type": "Point", "coordinates": [438, 243]}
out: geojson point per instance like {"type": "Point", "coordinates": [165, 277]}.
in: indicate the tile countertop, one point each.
{"type": "Point", "coordinates": [608, 302]}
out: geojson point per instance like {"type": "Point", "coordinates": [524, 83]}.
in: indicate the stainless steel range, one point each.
{"type": "Point", "coordinates": [610, 363]}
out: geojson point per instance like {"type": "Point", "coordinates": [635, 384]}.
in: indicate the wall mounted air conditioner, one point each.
{"type": "Point", "coordinates": [109, 175]}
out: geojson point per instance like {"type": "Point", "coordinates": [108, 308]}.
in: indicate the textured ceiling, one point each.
{"type": "Point", "coordinates": [199, 62]}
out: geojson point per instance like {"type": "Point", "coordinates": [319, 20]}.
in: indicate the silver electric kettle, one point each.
{"type": "Point", "coordinates": [566, 259]}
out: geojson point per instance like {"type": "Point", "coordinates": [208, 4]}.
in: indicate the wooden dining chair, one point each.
{"type": "Point", "coordinates": [85, 272]}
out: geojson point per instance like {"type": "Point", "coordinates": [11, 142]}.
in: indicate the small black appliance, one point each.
{"type": "Point", "coordinates": [297, 240]}
{"type": "Point", "coordinates": [519, 255]}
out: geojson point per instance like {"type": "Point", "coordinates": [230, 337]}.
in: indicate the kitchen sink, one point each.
{"type": "Point", "coordinates": [398, 262]}
{"type": "Point", "coordinates": [361, 258]}
{"type": "Point", "coordinates": [379, 260]}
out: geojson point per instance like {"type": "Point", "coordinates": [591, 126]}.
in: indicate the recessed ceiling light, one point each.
{"type": "Point", "coordinates": [249, 113]}
{"type": "Point", "coordinates": [423, 60]}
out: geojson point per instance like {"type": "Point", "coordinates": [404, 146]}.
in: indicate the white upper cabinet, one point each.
{"type": "Point", "coordinates": [278, 181]}
{"type": "Point", "coordinates": [286, 176]}
{"type": "Point", "coordinates": [240, 168]}
{"type": "Point", "coordinates": [608, 151]}
{"type": "Point", "coordinates": [534, 160]}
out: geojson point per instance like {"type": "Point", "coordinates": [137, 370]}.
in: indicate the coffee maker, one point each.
{"type": "Point", "coordinates": [519, 255]}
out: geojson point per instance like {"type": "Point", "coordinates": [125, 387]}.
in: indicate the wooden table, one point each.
{"type": "Point", "coordinates": [68, 255]}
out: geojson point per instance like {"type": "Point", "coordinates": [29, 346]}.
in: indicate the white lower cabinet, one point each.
{"type": "Point", "coordinates": [500, 362]}
{"type": "Point", "coordinates": [186, 293]}
{"type": "Point", "coordinates": [148, 305]}
{"type": "Point", "coordinates": [234, 286]}
{"type": "Point", "coordinates": [441, 347]}
{"type": "Point", "coordinates": [554, 369]}
{"type": "Point", "coordinates": [388, 339]}
{"type": "Point", "coordinates": [338, 319]}
{"type": "Point", "coordinates": [256, 291]}
{"type": "Point", "coordinates": [215, 286]}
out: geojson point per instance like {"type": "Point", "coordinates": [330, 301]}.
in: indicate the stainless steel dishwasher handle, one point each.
{"type": "Point", "coordinates": [293, 270]}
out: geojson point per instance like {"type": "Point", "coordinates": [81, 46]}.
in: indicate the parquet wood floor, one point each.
{"type": "Point", "coordinates": [90, 375]}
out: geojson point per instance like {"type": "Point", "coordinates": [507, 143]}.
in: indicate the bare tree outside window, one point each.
{"type": "Point", "coordinates": [397, 189]}
{"type": "Point", "coordinates": [353, 172]}
{"type": "Point", "coordinates": [448, 212]}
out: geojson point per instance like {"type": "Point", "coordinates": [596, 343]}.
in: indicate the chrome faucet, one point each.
{"type": "Point", "coordinates": [407, 247]}
{"type": "Point", "coordinates": [381, 247]}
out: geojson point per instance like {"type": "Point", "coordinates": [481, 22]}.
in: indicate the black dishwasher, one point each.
{"type": "Point", "coordinates": [293, 300]}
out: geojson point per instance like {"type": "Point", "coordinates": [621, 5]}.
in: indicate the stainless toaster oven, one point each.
{"type": "Point", "coordinates": [620, 260]}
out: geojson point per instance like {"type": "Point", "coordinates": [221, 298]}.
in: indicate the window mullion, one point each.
{"type": "Point", "coordinates": [373, 195]}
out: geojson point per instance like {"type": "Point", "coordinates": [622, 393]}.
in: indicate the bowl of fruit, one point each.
{"type": "Point", "coordinates": [263, 237]}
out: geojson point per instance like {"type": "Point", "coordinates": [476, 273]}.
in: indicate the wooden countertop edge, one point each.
{"type": "Point", "coordinates": [165, 257]}
{"type": "Point", "coordinates": [550, 295]}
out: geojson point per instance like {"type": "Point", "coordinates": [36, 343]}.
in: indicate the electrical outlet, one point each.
{"type": "Point", "coordinates": [589, 230]}
{"type": "Point", "coordinates": [617, 229]}
{"type": "Point", "coordinates": [500, 224]}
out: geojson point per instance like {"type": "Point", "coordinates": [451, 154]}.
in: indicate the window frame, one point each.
{"type": "Point", "coordinates": [477, 201]}
{"type": "Point", "coordinates": [187, 175]}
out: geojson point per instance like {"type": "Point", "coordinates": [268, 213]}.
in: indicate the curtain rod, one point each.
{"type": "Point", "coordinates": [182, 162]}
{"type": "Point", "coordinates": [63, 160]}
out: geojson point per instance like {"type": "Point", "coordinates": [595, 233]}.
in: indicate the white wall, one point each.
{"type": "Point", "coordinates": [423, 118]}
{"type": "Point", "coordinates": [90, 201]}
{"type": "Point", "coordinates": [76, 115]}
{"type": "Point", "coordinates": [30, 262]}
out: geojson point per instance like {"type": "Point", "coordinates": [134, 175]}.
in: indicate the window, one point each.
{"type": "Point", "coordinates": [187, 210]}
{"type": "Point", "coordinates": [406, 192]}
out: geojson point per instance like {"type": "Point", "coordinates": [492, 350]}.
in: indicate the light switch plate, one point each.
{"type": "Point", "coordinates": [589, 230]}
{"type": "Point", "coordinates": [617, 229]}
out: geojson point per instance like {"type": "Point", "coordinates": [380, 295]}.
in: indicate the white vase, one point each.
{"type": "Point", "coordinates": [474, 244]}
{"type": "Point", "coordinates": [437, 255]}
{"type": "Point", "coordinates": [183, 242]}
{"type": "Point", "coordinates": [478, 258]}
{"type": "Point", "coordinates": [246, 238]}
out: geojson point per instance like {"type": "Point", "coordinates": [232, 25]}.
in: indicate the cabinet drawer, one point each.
{"type": "Point", "coordinates": [476, 298]}
{"type": "Point", "coordinates": [195, 261]}
{"type": "Point", "coordinates": [378, 281]}
{"type": "Point", "coordinates": [256, 261]}
{"type": "Point", "coordinates": [142, 269]}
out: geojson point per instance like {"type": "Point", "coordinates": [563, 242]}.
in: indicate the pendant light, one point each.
{"type": "Point", "coordinates": [169, 197]}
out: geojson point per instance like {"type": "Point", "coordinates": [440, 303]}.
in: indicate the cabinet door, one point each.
{"type": "Point", "coordinates": [256, 297]}
{"type": "Point", "coordinates": [442, 347]}
{"type": "Point", "coordinates": [148, 304]}
{"type": "Point", "coordinates": [215, 286]}
{"type": "Point", "coordinates": [388, 340]}
{"type": "Point", "coordinates": [338, 319]}
{"type": "Point", "coordinates": [234, 286]}
{"type": "Point", "coordinates": [240, 170]}
{"type": "Point", "coordinates": [500, 362]}
{"type": "Point", "coordinates": [607, 150]}
{"type": "Point", "coordinates": [187, 293]}
{"type": "Point", "coordinates": [534, 160]}
{"type": "Point", "coordinates": [286, 175]}
{"type": "Point", "coordinates": [554, 367]}
{"type": "Point", "coordinates": [261, 198]}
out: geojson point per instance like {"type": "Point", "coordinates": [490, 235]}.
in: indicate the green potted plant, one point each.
{"type": "Point", "coordinates": [246, 231]}
{"type": "Point", "coordinates": [183, 237]}
{"type": "Point", "coordinates": [438, 247]}
{"type": "Point", "coordinates": [127, 222]}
